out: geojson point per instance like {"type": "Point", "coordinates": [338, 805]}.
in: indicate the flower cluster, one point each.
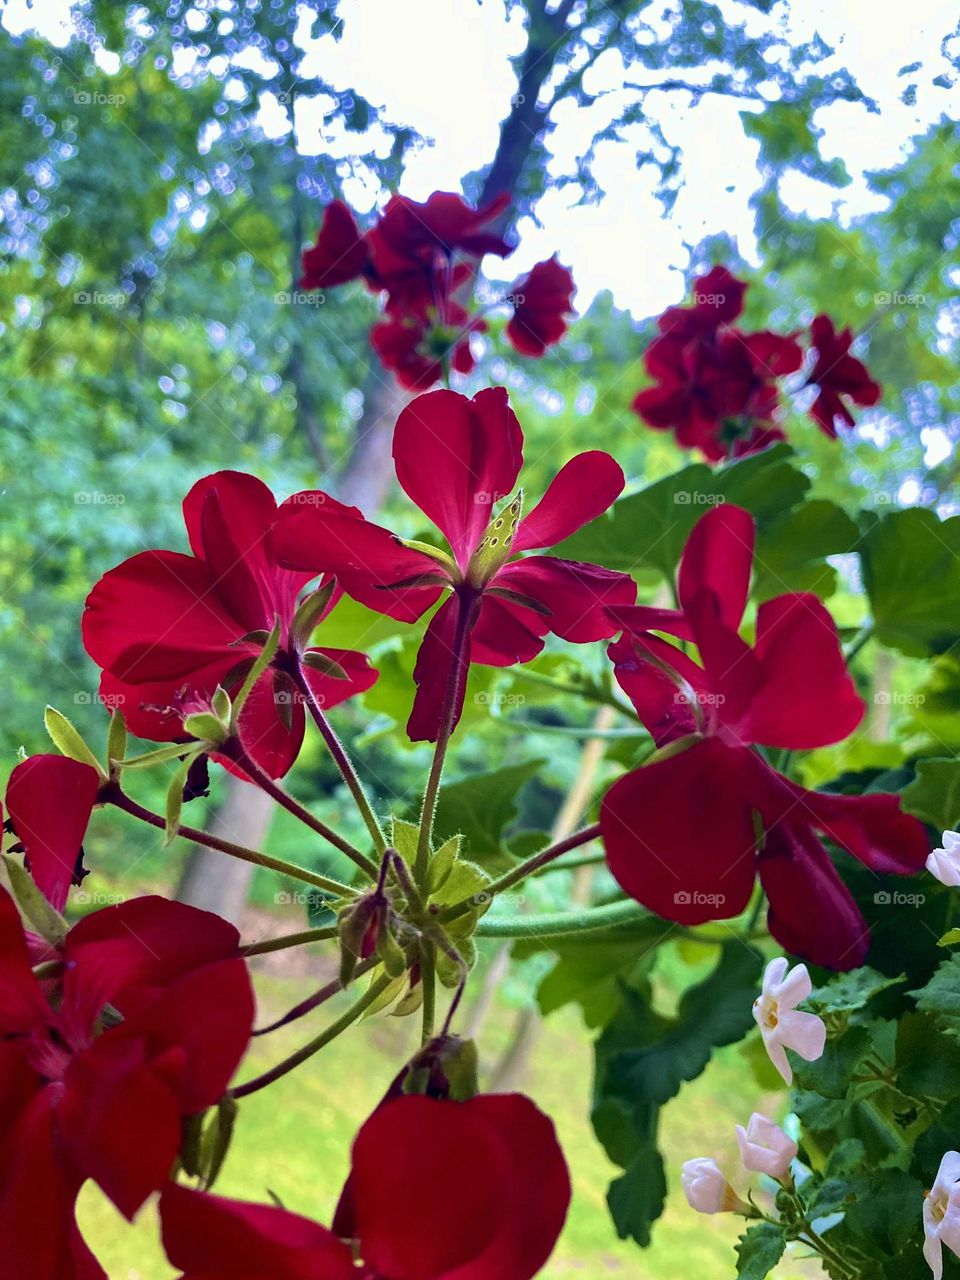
{"type": "Point", "coordinates": [688, 832]}
{"type": "Point", "coordinates": [423, 259]}
{"type": "Point", "coordinates": [716, 386]}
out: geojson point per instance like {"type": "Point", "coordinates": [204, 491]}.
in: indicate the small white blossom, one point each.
{"type": "Point", "coordinates": [781, 1024]}
{"type": "Point", "coordinates": [944, 863]}
{"type": "Point", "coordinates": [764, 1147]}
{"type": "Point", "coordinates": [941, 1214]}
{"type": "Point", "coordinates": [705, 1187]}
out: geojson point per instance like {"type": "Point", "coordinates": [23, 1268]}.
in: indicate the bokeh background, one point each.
{"type": "Point", "coordinates": [162, 168]}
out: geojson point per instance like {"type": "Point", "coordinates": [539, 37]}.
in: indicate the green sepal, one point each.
{"type": "Point", "coordinates": [172, 751]}
{"type": "Point", "coordinates": [386, 996]}
{"type": "Point", "coordinates": [391, 953]}
{"type": "Point", "coordinates": [116, 740]}
{"type": "Point", "coordinates": [217, 1139]}
{"type": "Point", "coordinates": [262, 661]}
{"type": "Point", "coordinates": [442, 863]}
{"type": "Point", "coordinates": [409, 1002]}
{"type": "Point", "coordinates": [174, 804]}
{"type": "Point", "coordinates": [221, 705]}
{"type": "Point", "coordinates": [68, 741]}
{"type": "Point", "coordinates": [191, 1129]}
{"type": "Point", "coordinates": [47, 922]}
{"type": "Point", "coordinates": [318, 661]}
{"type": "Point", "coordinates": [309, 612]}
{"type": "Point", "coordinates": [206, 727]}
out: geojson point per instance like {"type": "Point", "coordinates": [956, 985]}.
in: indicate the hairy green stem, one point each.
{"type": "Point", "coordinates": [289, 940]}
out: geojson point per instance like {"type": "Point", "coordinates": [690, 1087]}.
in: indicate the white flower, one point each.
{"type": "Point", "coordinates": [705, 1187]}
{"type": "Point", "coordinates": [944, 863]}
{"type": "Point", "coordinates": [781, 1024]}
{"type": "Point", "coordinates": [764, 1147]}
{"type": "Point", "coordinates": [941, 1214]}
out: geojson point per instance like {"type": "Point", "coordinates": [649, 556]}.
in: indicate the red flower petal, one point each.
{"type": "Point", "coordinates": [22, 1005]}
{"type": "Point", "coordinates": [812, 913]}
{"type": "Point", "coordinates": [494, 1216]}
{"type": "Point", "coordinates": [657, 698]}
{"type": "Point", "coordinates": [576, 595]}
{"type": "Point", "coordinates": [543, 303]}
{"type": "Point", "coordinates": [580, 491]}
{"type": "Point", "coordinates": [679, 834]}
{"type": "Point", "coordinates": [49, 800]}
{"type": "Point", "coordinates": [210, 1238]}
{"type": "Point", "coordinates": [455, 458]}
{"type": "Point", "coordinates": [718, 557]}
{"type": "Point", "coordinates": [506, 633]}
{"type": "Point", "coordinates": [431, 674]}
{"type": "Point", "coordinates": [340, 253]}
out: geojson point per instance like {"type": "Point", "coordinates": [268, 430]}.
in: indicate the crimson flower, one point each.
{"type": "Point", "coordinates": [99, 1067]}
{"type": "Point", "coordinates": [51, 834]}
{"type": "Point", "coordinates": [455, 459]}
{"type": "Point", "coordinates": [438, 1190]}
{"type": "Point", "coordinates": [340, 254]}
{"type": "Point", "coordinates": [167, 628]}
{"type": "Point", "coordinates": [541, 307]}
{"type": "Point", "coordinates": [416, 350]}
{"type": "Point", "coordinates": [681, 833]}
{"type": "Point", "coordinates": [838, 376]}
{"type": "Point", "coordinates": [715, 385]}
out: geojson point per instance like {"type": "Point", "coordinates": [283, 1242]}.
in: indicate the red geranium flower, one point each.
{"type": "Point", "coordinates": [456, 458]}
{"type": "Point", "coordinates": [541, 307]}
{"type": "Point", "coordinates": [716, 385]}
{"type": "Point", "coordinates": [416, 349]}
{"type": "Point", "coordinates": [438, 1190]}
{"type": "Point", "coordinates": [680, 832]}
{"type": "Point", "coordinates": [839, 377]}
{"type": "Point", "coordinates": [165, 626]}
{"type": "Point", "coordinates": [51, 830]}
{"type": "Point", "coordinates": [98, 1068]}
{"type": "Point", "coordinates": [340, 254]}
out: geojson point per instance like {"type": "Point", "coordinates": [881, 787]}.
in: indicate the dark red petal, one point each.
{"type": "Point", "coordinates": [580, 491]}
{"type": "Point", "coordinates": [340, 253]}
{"type": "Point", "coordinates": [49, 800]}
{"type": "Point", "coordinates": [679, 834]}
{"type": "Point", "coordinates": [150, 709]}
{"type": "Point", "coordinates": [506, 632]}
{"type": "Point", "coordinates": [637, 619]}
{"type": "Point", "coordinates": [272, 725]}
{"type": "Point", "coordinates": [806, 697]}
{"type": "Point", "coordinates": [209, 1238]}
{"type": "Point", "coordinates": [119, 1119]}
{"type": "Point", "coordinates": [576, 595]}
{"type": "Point", "coordinates": [718, 557]}
{"type": "Point", "coordinates": [494, 1217]}
{"type": "Point", "coordinates": [873, 828]}
{"type": "Point", "coordinates": [431, 674]}
{"type": "Point", "coordinates": [812, 913]}
{"type": "Point", "coordinates": [330, 691]}
{"type": "Point", "coordinates": [657, 698]}
{"type": "Point", "coordinates": [455, 458]}
{"type": "Point", "coordinates": [129, 953]}
{"type": "Point", "coordinates": [157, 617]}
{"type": "Point", "coordinates": [22, 1006]}
{"type": "Point", "coordinates": [542, 305]}
{"type": "Point", "coordinates": [367, 559]}
{"type": "Point", "coordinates": [38, 1193]}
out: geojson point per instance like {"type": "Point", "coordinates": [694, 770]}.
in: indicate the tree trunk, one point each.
{"type": "Point", "coordinates": [214, 881]}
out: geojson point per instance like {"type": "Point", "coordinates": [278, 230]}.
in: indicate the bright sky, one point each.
{"type": "Point", "coordinates": [442, 67]}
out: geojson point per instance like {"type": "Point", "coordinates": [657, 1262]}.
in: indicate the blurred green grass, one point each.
{"type": "Point", "coordinates": [294, 1140]}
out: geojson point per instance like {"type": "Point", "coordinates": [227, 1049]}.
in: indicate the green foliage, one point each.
{"type": "Point", "coordinates": [911, 572]}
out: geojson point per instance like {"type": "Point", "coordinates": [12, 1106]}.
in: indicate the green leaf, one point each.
{"type": "Point", "coordinates": [442, 863]}
{"type": "Point", "coordinates": [950, 938]}
{"type": "Point", "coordinates": [911, 571]}
{"type": "Point", "coordinates": [309, 612]}
{"type": "Point", "coordinates": [830, 1075]}
{"type": "Point", "coordinates": [941, 996]}
{"type": "Point", "coordinates": [647, 1057]}
{"type": "Point", "coordinates": [637, 1198]}
{"type": "Point", "coordinates": [172, 751]}
{"type": "Point", "coordinates": [68, 741]}
{"type": "Point", "coordinates": [116, 737]}
{"type": "Point", "coordinates": [404, 838]}
{"type": "Point", "coordinates": [481, 807]}
{"type": "Point", "coordinates": [850, 991]}
{"type": "Point", "coordinates": [934, 795]}
{"type": "Point", "coordinates": [791, 549]}
{"type": "Point", "coordinates": [760, 1249]}
{"type": "Point", "coordinates": [647, 530]}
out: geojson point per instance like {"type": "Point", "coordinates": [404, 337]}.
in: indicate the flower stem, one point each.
{"type": "Point", "coordinates": [861, 641]}
{"type": "Point", "coordinates": [122, 801]}
{"type": "Point", "coordinates": [456, 675]}
{"type": "Point", "coordinates": [326, 992]}
{"type": "Point", "coordinates": [235, 752]}
{"type": "Point", "coordinates": [428, 976]}
{"type": "Point", "coordinates": [529, 868]}
{"type": "Point", "coordinates": [288, 940]}
{"type": "Point", "coordinates": [561, 922]}
{"type": "Point", "coordinates": [342, 760]}
{"type": "Point", "coordinates": [313, 1046]}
